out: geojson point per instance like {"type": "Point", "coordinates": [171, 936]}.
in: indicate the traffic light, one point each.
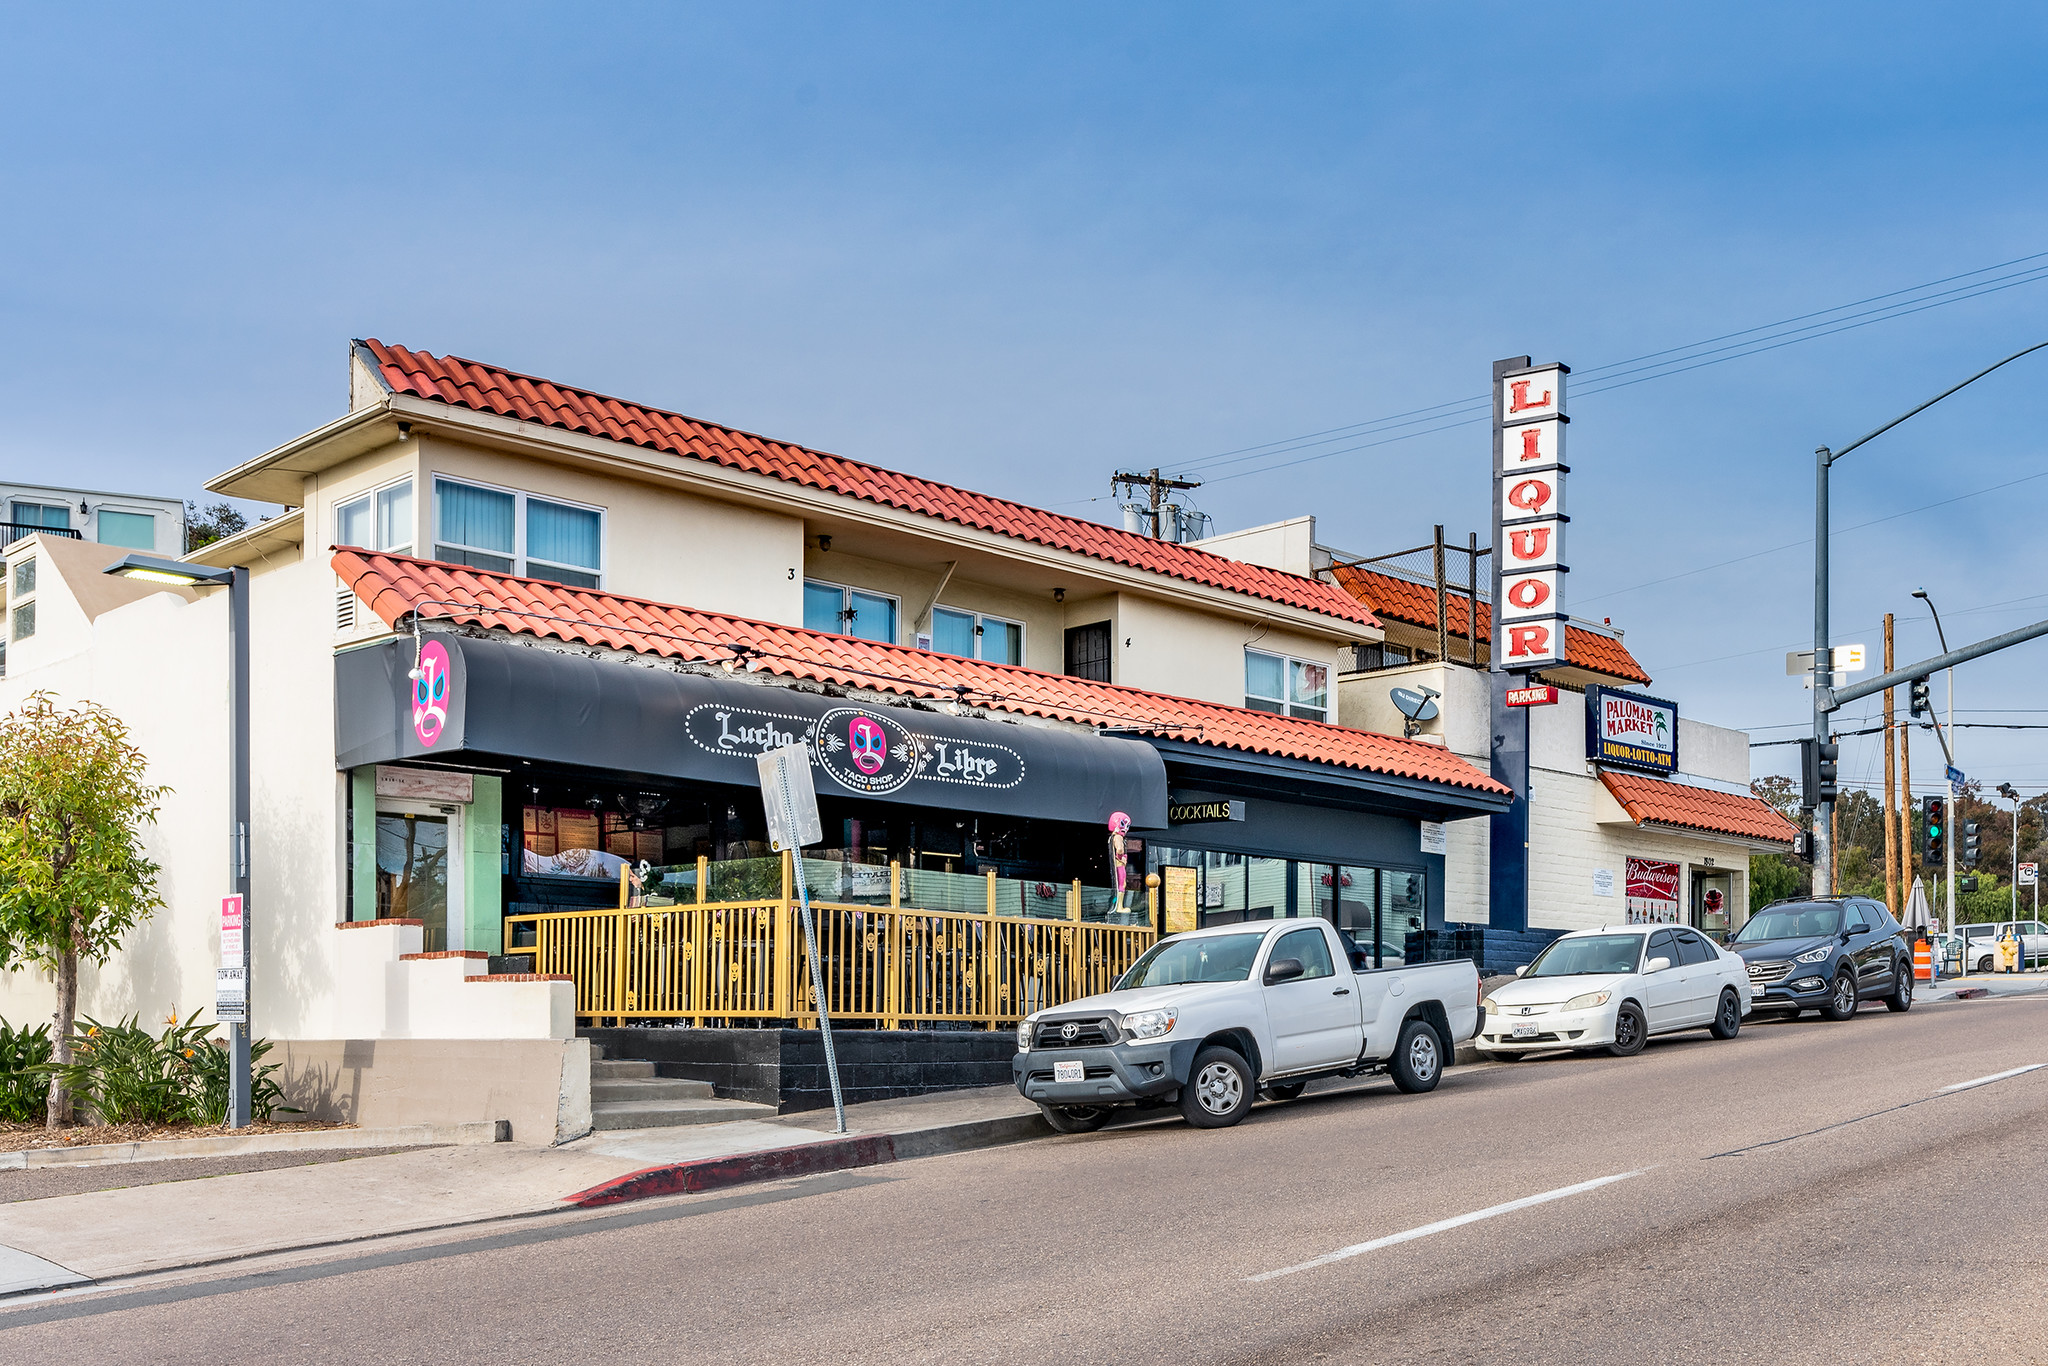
{"type": "Point", "coordinates": [1937, 834]}
{"type": "Point", "coordinates": [1970, 844]}
{"type": "Point", "coordinates": [1818, 768]}
{"type": "Point", "coordinates": [1916, 693]}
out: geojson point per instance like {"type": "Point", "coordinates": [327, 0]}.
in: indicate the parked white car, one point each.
{"type": "Point", "coordinates": [1982, 941]}
{"type": "Point", "coordinates": [1211, 1018]}
{"type": "Point", "coordinates": [1614, 989]}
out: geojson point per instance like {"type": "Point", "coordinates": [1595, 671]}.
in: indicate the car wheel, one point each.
{"type": "Point", "coordinates": [1728, 1017]}
{"type": "Point", "coordinates": [1841, 997]}
{"type": "Point", "coordinates": [1418, 1058]}
{"type": "Point", "coordinates": [1219, 1090]}
{"type": "Point", "coordinates": [1286, 1090]}
{"type": "Point", "coordinates": [1631, 1031]}
{"type": "Point", "coordinates": [1983, 965]}
{"type": "Point", "coordinates": [1075, 1119]}
{"type": "Point", "coordinates": [1901, 999]}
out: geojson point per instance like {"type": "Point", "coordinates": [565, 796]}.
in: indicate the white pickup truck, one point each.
{"type": "Point", "coordinates": [1212, 1018]}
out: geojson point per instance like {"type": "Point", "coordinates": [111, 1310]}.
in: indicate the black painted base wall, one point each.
{"type": "Point", "coordinates": [786, 1067]}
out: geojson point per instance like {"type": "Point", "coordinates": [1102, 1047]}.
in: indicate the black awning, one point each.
{"type": "Point", "coordinates": [499, 698]}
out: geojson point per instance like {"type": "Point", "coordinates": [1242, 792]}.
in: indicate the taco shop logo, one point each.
{"type": "Point", "coordinates": [864, 752]}
{"type": "Point", "coordinates": [430, 693]}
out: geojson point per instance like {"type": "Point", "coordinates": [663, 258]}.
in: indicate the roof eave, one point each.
{"type": "Point", "coordinates": [279, 475]}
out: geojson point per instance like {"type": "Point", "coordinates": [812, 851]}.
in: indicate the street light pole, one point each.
{"type": "Point", "coordinates": [155, 569]}
{"type": "Point", "coordinates": [1823, 658]}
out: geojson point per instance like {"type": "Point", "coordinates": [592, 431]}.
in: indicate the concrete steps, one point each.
{"type": "Point", "coordinates": [628, 1094]}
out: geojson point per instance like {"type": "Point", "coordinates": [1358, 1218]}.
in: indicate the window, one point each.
{"type": "Point", "coordinates": [23, 617]}
{"type": "Point", "coordinates": [844, 611]}
{"type": "Point", "coordinates": [1290, 687]}
{"type": "Point", "coordinates": [514, 533]}
{"type": "Point", "coordinates": [130, 530]}
{"type": "Point", "coordinates": [1693, 949]}
{"type": "Point", "coordinates": [381, 520]}
{"type": "Point", "coordinates": [1662, 947]}
{"type": "Point", "coordinates": [1088, 652]}
{"type": "Point", "coordinates": [976, 636]}
{"type": "Point", "coordinates": [1311, 948]}
{"type": "Point", "coordinates": [54, 515]}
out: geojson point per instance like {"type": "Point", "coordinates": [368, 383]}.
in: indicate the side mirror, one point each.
{"type": "Point", "coordinates": [1522, 969]}
{"type": "Point", "coordinates": [1657, 965]}
{"type": "Point", "coordinates": [1283, 970]}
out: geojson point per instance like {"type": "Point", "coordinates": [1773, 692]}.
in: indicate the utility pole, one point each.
{"type": "Point", "coordinates": [1443, 607]}
{"type": "Point", "coordinates": [1159, 488]}
{"type": "Point", "coordinates": [1891, 784]}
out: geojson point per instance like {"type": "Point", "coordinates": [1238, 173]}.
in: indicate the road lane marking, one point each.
{"type": "Point", "coordinates": [1442, 1225]}
{"type": "Point", "coordinates": [1995, 1076]}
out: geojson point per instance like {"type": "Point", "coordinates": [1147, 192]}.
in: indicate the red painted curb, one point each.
{"type": "Point", "coordinates": [714, 1173]}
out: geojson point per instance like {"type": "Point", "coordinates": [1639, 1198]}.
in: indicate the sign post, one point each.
{"type": "Point", "coordinates": [791, 801]}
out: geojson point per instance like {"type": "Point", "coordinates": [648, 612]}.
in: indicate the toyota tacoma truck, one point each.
{"type": "Point", "coordinates": [1211, 1019]}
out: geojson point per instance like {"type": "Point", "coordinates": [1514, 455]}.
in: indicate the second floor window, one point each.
{"type": "Point", "coordinates": [55, 516]}
{"type": "Point", "coordinates": [129, 530]}
{"type": "Point", "coordinates": [517, 533]}
{"type": "Point", "coordinates": [845, 611]}
{"type": "Point", "coordinates": [1087, 654]}
{"type": "Point", "coordinates": [978, 637]}
{"type": "Point", "coordinates": [380, 520]}
{"type": "Point", "coordinates": [1290, 687]}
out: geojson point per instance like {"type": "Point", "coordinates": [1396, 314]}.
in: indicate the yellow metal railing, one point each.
{"type": "Point", "coordinates": [890, 966]}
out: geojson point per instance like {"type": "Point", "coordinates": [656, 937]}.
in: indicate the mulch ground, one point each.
{"type": "Point", "coordinates": [17, 1137]}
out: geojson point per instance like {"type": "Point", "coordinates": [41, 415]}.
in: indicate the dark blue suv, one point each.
{"type": "Point", "coordinates": [1829, 954]}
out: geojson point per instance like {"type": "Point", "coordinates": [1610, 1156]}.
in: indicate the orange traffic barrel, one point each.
{"type": "Point", "coordinates": [1923, 960]}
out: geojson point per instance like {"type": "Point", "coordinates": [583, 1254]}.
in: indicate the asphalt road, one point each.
{"type": "Point", "coordinates": [1805, 1193]}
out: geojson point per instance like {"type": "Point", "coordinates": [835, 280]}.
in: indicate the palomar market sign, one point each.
{"type": "Point", "coordinates": [1529, 517]}
{"type": "Point", "coordinates": [1630, 730]}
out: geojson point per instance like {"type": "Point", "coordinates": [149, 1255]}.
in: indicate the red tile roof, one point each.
{"type": "Point", "coordinates": [487, 389]}
{"type": "Point", "coordinates": [1660, 801]}
{"type": "Point", "coordinates": [1399, 599]}
{"type": "Point", "coordinates": [393, 585]}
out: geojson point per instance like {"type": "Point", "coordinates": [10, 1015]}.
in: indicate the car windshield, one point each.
{"type": "Point", "coordinates": [1595, 953]}
{"type": "Point", "coordinates": [1212, 958]}
{"type": "Point", "coordinates": [1791, 922]}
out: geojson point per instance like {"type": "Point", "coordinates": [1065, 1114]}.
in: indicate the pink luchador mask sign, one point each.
{"type": "Point", "coordinates": [430, 693]}
{"type": "Point", "coordinates": [866, 745]}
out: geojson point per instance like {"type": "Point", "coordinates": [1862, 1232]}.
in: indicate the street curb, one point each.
{"type": "Point", "coordinates": [838, 1153]}
{"type": "Point", "coordinates": [312, 1140]}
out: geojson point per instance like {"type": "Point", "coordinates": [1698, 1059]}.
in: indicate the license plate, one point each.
{"type": "Point", "coordinates": [1067, 1071]}
{"type": "Point", "coordinates": [1523, 1031]}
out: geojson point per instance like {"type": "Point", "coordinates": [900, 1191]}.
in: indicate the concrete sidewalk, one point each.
{"type": "Point", "coordinates": [1996, 983]}
{"type": "Point", "coordinates": [76, 1239]}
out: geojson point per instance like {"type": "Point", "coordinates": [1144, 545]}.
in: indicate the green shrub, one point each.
{"type": "Point", "coordinates": [126, 1075]}
{"type": "Point", "coordinates": [24, 1091]}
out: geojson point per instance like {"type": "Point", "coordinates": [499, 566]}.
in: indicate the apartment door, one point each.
{"type": "Point", "coordinates": [419, 869]}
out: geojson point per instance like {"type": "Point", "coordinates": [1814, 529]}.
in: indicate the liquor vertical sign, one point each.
{"type": "Point", "coordinates": [231, 981]}
{"type": "Point", "coordinates": [1528, 514]}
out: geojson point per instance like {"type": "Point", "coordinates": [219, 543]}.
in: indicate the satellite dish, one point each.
{"type": "Point", "coordinates": [1417, 706]}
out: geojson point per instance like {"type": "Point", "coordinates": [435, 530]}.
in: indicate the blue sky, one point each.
{"type": "Point", "coordinates": [1016, 247]}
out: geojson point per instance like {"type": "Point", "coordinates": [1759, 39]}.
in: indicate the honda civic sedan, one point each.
{"type": "Point", "coordinates": [1614, 989]}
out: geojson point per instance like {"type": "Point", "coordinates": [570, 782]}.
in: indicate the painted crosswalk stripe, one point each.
{"type": "Point", "coordinates": [1443, 1225]}
{"type": "Point", "coordinates": [1995, 1076]}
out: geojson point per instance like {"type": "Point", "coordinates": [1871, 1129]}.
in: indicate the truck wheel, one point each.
{"type": "Point", "coordinates": [1075, 1119]}
{"type": "Point", "coordinates": [1418, 1062]}
{"type": "Point", "coordinates": [1842, 998]}
{"type": "Point", "coordinates": [1901, 999]}
{"type": "Point", "coordinates": [1219, 1090]}
{"type": "Point", "coordinates": [1631, 1031]}
{"type": "Point", "coordinates": [1727, 1016]}
{"type": "Point", "coordinates": [1286, 1090]}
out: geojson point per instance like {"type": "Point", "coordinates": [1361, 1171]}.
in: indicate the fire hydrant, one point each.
{"type": "Point", "coordinates": [2009, 954]}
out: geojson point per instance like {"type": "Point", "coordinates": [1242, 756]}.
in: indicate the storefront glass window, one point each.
{"type": "Point", "coordinates": [412, 874]}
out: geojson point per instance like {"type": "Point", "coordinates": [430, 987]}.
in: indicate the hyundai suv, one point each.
{"type": "Point", "coordinates": [1829, 954]}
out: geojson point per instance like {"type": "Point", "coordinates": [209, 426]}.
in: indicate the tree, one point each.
{"type": "Point", "coordinates": [73, 876]}
{"type": "Point", "coordinates": [204, 526]}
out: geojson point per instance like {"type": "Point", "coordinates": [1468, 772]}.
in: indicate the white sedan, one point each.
{"type": "Point", "coordinates": [1614, 989]}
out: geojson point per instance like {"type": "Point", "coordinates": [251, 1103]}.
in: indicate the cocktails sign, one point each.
{"type": "Point", "coordinates": [1528, 516]}
{"type": "Point", "coordinates": [1631, 730]}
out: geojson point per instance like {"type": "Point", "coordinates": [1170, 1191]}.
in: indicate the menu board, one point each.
{"type": "Point", "coordinates": [1181, 887]}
